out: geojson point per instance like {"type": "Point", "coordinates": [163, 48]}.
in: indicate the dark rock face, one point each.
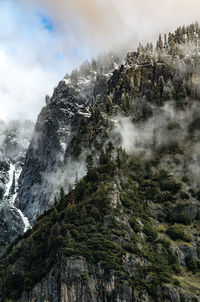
{"type": "Point", "coordinates": [74, 282]}
{"type": "Point", "coordinates": [14, 139]}
{"type": "Point", "coordinates": [58, 123]}
{"type": "Point", "coordinates": [11, 224]}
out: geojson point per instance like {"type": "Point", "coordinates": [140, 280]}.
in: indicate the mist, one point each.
{"type": "Point", "coordinates": [166, 134]}
{"type": "Point", "coordinates": [105, 24]}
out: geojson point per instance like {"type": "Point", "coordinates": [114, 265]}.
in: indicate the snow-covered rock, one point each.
{"type": "Point", "coordinates": [14, 140]}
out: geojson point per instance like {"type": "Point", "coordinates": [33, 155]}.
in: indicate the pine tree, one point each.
{"type": "Point", "coordinates": [161, 86]}
{"type": "Point", "coordinates": [165, 41]}
{"type": "Point", "coordinates": [110, 148]}
{"type": "Point", "coordinates": [159, 42]}
{"type": "Point", "coordinates": [89, 162]}
{"type": "Point", "coordinates": [62, 194]}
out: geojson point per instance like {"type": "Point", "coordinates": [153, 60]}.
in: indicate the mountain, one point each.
{"type": "Point", "coordinates": [110, 183]}
{"type": "Point", "coordinates": [14, 140]}
{"type": "Point", "coordinates": [51, 160]}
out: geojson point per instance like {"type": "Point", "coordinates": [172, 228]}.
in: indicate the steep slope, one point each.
{"type": "Point", "coordinates": [14, 139]}
{"type": "Point", "coordinates": [168, 72]}
{"type": "Point", "coordinates": [129, 229]}
{"type": "Point", "coordinates": [101, 242]}
{"type": "Point", "coordinates": [50, 154]}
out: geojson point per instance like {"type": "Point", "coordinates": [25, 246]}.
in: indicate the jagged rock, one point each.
{"type": "Point", "coordinates": [53, 143]}
{"type": "Point", "coordinates": [72, 282]}
{"type": "Point", "coordinates": [14, 139]}
{"type": "Point", "coordinates": [184, 250]}
{"type": "Point", "coordinates": [11, 225]}
{"type": "Point", "coordinates": [57, 124]}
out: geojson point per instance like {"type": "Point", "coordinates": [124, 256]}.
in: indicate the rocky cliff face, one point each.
{"type": "Point", "coordinates": [150, 77]}
{"type": "Point", "coordinates": [58, 122]}
{"type": "Point", "coordinates": [129, 229]}
{"type": "Point", "coordinates": [49, 163]}
{"type": "Point", "coordinates": [101, 243]}
{"type": "Point", "coordinates": [14, 139]}
{"type": "Point", "coordinates": [78, 283]}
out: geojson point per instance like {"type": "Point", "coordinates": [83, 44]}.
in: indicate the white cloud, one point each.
{"type": "Point", "coordinates": [108, 23]}
{"type": "Point", "coordinates": [22, 88]}
{"type": "Point", "coordinates": [34, 59]}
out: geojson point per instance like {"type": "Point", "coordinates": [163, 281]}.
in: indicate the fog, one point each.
{"type": "Point", "coordinates": [109, 23]}
{"type": "Point", "coordinates": [168, 127]}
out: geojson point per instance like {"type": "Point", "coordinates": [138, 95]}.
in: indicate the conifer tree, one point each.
{"type": "Point", "coordinates": [62, 193]}
{"type": "Point", "coordinates": [89, 162]}
{"type": "Point", "coordinates": [159, 42]}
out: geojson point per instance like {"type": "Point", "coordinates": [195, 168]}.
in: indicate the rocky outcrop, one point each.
{"type": "Point", "coordinates": [14, 140]}
{"type": "Point", "coordinates": [74, 281]}
{"type": "Point", "coordinates": [11, 224]}
{"type": "Point", "coordinates": [48, 152]}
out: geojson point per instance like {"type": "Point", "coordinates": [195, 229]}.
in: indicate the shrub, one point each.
{"type": "Point", "coordinates": [134, 224]}
{"type": "Point", "coordinates": [177, 233]}
{"type": "Point", "coordinates": [191, 263]}
{"type": "Point", "coordinates": [150, 232]}
{"type": "Point", "coordinates": [178, 215]}
{"type": "Point", "coordinates": [170, 185]}
{"type": "Point", "coordinates": [15, 284]}
{"type": "Point", "coordinates": [198, 215]}
{"type": "Point", "coordinates": [80, 190]}
{"type": "Point", "coordinates": [131, 248]}
{"type": "Point", "coordinates": [192, 193]}
{"type": "Point", "coordinates": [150, 188]}
{"type": "Point", "coordinates": [161, 175]}
{"type": "Point", "coordinates": [185, 178]}
{"type": "Point", "coordinates": [184, 195]}
{"type": "Point", "coordinates": [164, 197]}
{"type": "Point", "coordinates": [126, 200]}
{"type": "Point", "coordinates": [171, 148]}
{"type": "Point", "coordinates": [198, 195]}
{"type": "Point", "coordinates": [183, 218]}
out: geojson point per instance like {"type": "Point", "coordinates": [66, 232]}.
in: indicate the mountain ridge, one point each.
{"type": "Point", "coordinates": [128, 229]}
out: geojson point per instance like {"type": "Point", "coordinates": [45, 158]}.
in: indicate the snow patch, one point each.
{"type": "Point", "coordinates": [11, 198]}
{"type": "Point", "coordinates": [24, 219]}
{"type": "Point", "coordinates": [66, 81]}
{"type": "Point", "coordinates": [10, 175]}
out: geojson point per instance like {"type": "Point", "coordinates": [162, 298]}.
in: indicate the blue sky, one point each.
{"type": "Point", "coordinates": [31, 31]}
{"type": "Point", "coordinates": [33, 58]}
{"type": "Point", "coordinates": [47, 23]}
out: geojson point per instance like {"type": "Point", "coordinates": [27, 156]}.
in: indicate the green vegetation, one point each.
{"type": "Point", "coordinates": [75, 227]}
{"type": "Point", "coordinates": [177, 233]}
{"type": "Point", "coordinates": [192, 264]}
{"type": "Point", "coordinates": [170, 148]}
{"type": "Point", "coordinates": [178, 214]}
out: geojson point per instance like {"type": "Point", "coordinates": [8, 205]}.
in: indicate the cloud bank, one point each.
{"type": "Point", "coordinates": [41, 40]}
{"type": "Point", "coordinates": [22, 88]}
{"type": "Point", "coordinates": [109, 23]}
